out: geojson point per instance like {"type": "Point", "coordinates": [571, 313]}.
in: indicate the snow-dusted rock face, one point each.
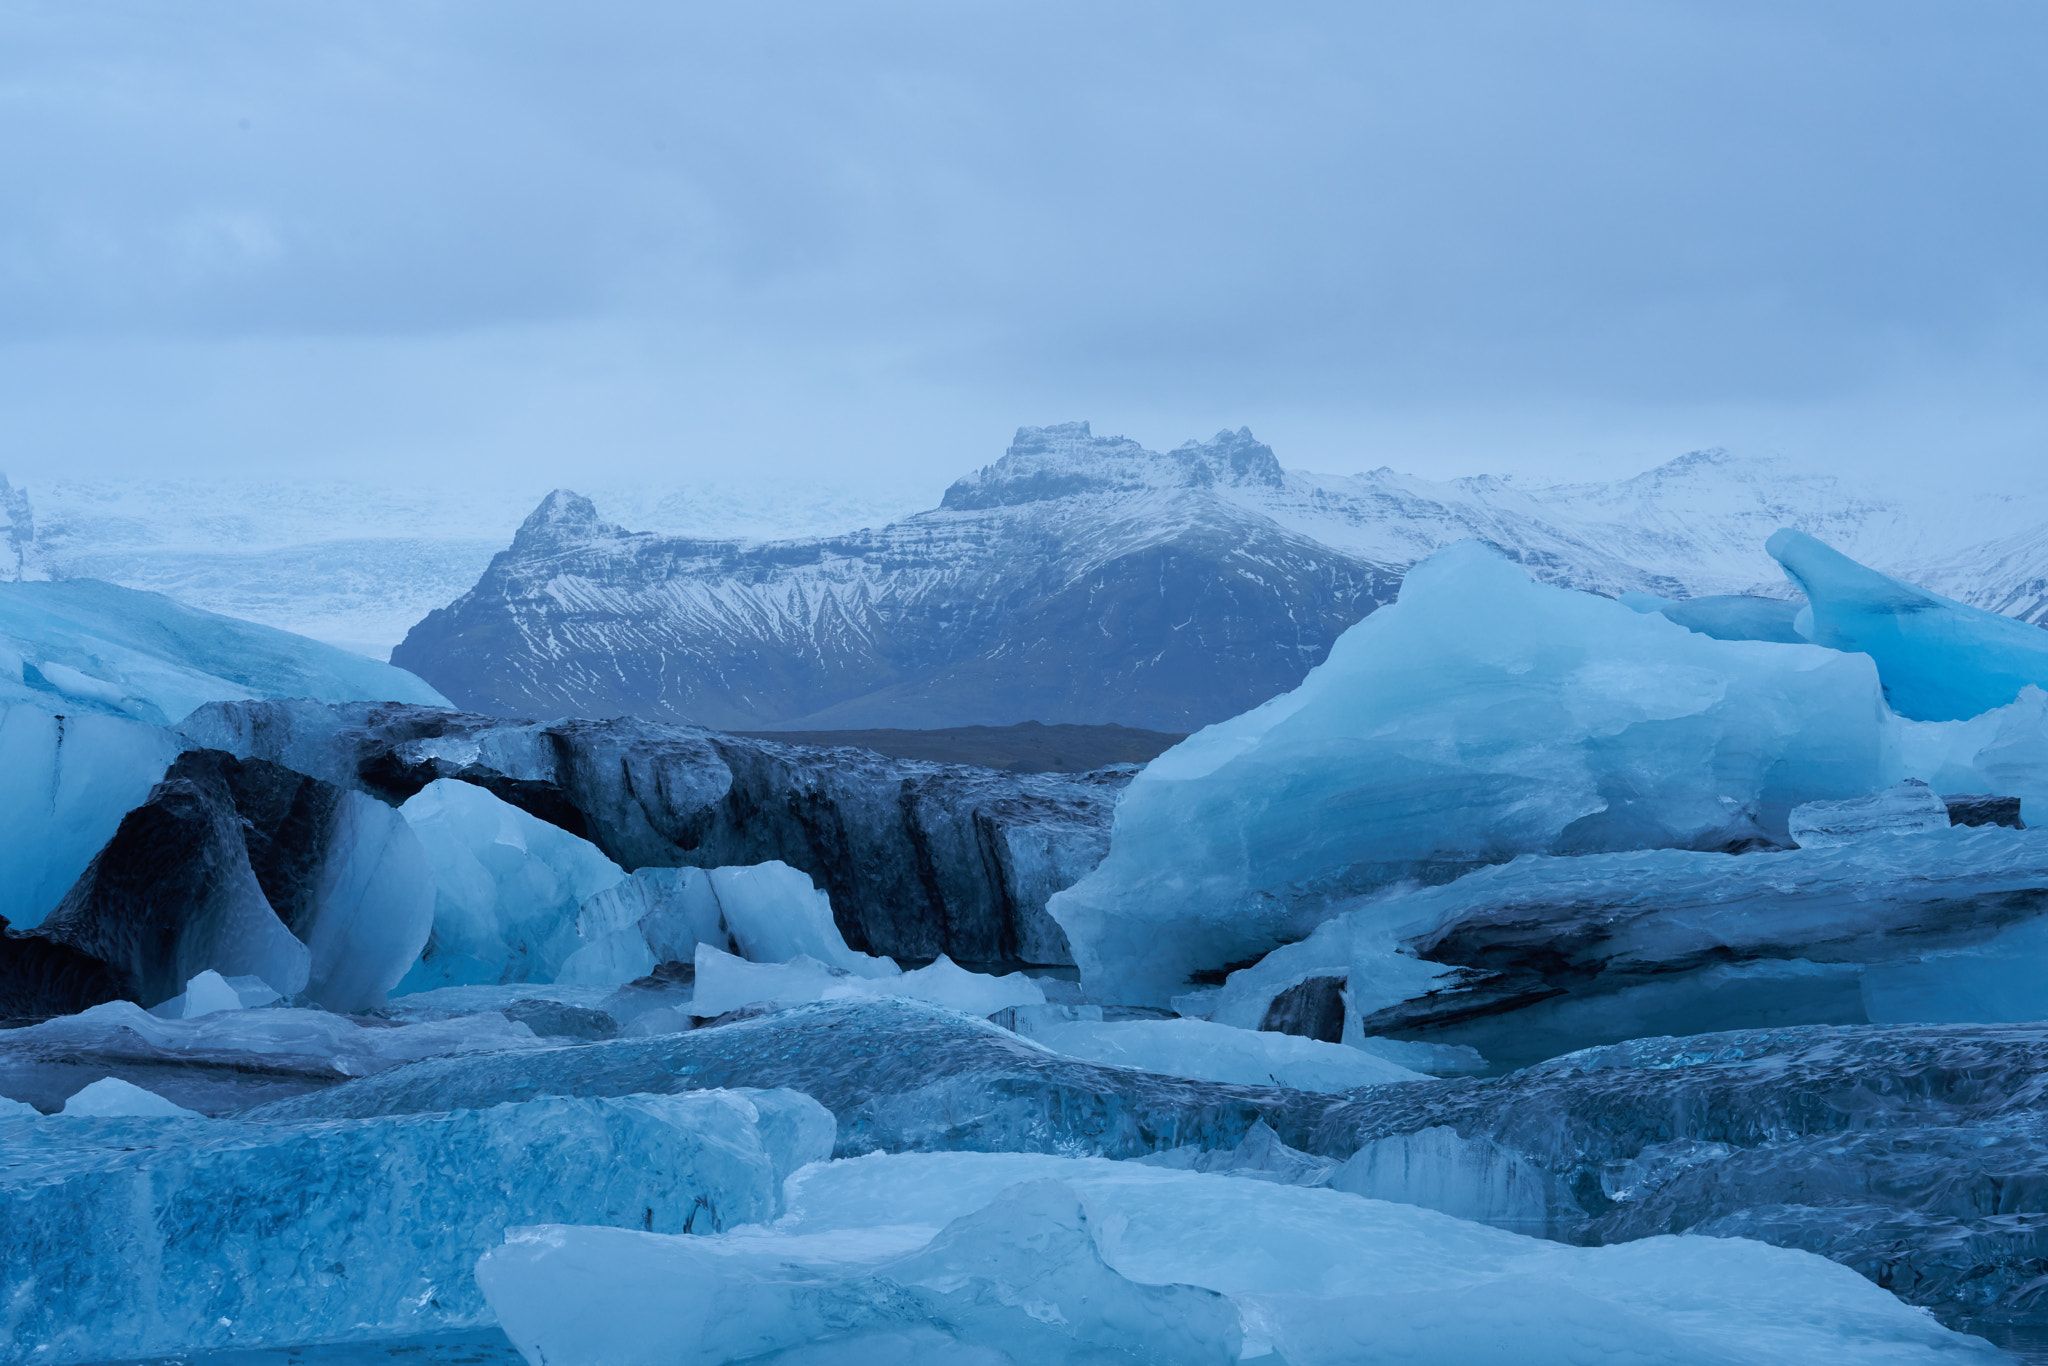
{"type": "Point", "coordinates": [1087, 579]}
{"type": "Point", "coordinates": [1078, 579]}
{"type": "Point", "coordinates": [919, 859]}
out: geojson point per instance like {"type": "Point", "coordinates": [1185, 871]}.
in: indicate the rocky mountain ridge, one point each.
{"type": "Point", "coordinates": [1086, 579]}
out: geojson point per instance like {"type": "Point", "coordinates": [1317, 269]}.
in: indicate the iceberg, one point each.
{"type": "Point", "coordinates": [227, 1060]}
{"type": "Point", "coordinates": [1481, 716]}
{"type": "Point", "coordinates": [65, 783]}
{"type": "Point", "coordinates": [726, 983]}
{"type": "Point", "coordinates": [82, 646]}
{"type": "Point", "coordinates": [1910, 808]}
{"type": "Point", "coordinates": [124, 1238]}
{"type": "Point", "coordinates": [1939, 659]}
{"type": "Point", "coordinates": [507, 888]}
{"type": "Point", "coordinates": [1216, 1052]}
{"type": "Point", "coordinates": [112, 1098]}
{"type": "Point", "coordinates": [1544, 955]}
{"type": "Point", "coordinates": [1040, 1258]}
{"type": "Point", "coordinates": [1727, 617]}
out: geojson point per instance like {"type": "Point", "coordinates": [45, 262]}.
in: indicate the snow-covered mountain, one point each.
{"type": "Point", "coordinates": [1084, 578]}
{"type": "Point", "coordinates": [355, 563]}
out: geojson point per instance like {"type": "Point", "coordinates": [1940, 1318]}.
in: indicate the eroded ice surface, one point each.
{"type": "Point", "coordinates": [1216, 1052]}
{"type": "Point", "coordinates": [507, 888]}
{"type": "Point", "coordinates": [1940, 660]}
{"type": "Point", "coordinates": [726, 982]}
{"type": "Point", "coordinates": [1908, 808]}
{"type": "Point", "coordinates": [112, 1098]}
{"type": "Point", "coordinates": [1036, 1258]}
{"type": "Point", "coordinates": [227, 1059]}
{"type": "Point", "coordinates": [1481, 715]}
{"type": "Point", "coordinates": [125, 1237]}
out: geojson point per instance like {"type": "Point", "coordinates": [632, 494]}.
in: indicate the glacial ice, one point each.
{"type": "Point", "coordinates": [1939, 659]}
{"type": "Point", "coordinates": [1216, 1052]}
{"type": "Point", "coordinates": [726, 983]}
{"type": "Point", "coordinates": [774, 914]}
{"type": "Point", "coordinates": [1908, 808]}
{"type": "Point", "coordinates": [207, 993]}
{"type": "Point", "coordinates": [228, 1059]}
{"type": "Point", "coordinates": [65, 783]}
{"type": "Point", "coordinates": [653, 916]}
{"type": "Point", "coordinates": [372, 908]}
{"type": "Point", "coordinates": [1484, 716]}
{"type": "Point", "coordinates": [129, 1238]}
{"type": "Point", "coordinates": [1038, 1258]}
{"type": "Point", "coordinates": [1544, 955]}
{"type": "Point", "coordinates": [507, 888]}
{"type": "Point", "coordinates": [79, 645]}
{"type": "Point", "coordinates": [1728, 617]}
{"type": "Point", "coordinates": [112, 1098]}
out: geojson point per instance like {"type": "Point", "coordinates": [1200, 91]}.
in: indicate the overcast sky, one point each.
{"type": "Point", "coordinates": [870, 239]}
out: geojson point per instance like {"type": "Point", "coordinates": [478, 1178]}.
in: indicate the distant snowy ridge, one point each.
{"type": "Point", "coordinates": [355, 564]}
{"type": "Point", "coordinates": [1085, 578]}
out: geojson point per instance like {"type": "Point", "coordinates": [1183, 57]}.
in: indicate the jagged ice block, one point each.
{"type": "Point", "coordinates": [125, 1237]}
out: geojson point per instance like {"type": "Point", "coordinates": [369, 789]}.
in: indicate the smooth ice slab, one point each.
{"type": "Point", "coordinates": [507, 889]}
{"type": "Point", "coordinates": [1909, 808]}
{"type": "Point", "coordinates": [1481, 716]}
{"type": "Point", "coordinates": [130, 1238]}
{"type": "Point", "coordinates": [1939, 660]}
{"type": "Point", "coordinates": [1037, 1258]}
{"type": "Point", "coordinates": [81, 646]}
{"type": "Point", "coordinates": [726, 983]}
{"type": "Point", "coordinates": [1216, 1052]}
{"type": "Point", "coordinates": [228, 1059]}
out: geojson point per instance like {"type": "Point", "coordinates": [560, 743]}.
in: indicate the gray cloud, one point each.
{"type": "Point", "coordinates": [476, 232]}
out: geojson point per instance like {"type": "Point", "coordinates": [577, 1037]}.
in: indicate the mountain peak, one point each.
{"type": "Point", "coordinates": [1045, 463]}
{"type": "Point", "coordinates": [564, 515]}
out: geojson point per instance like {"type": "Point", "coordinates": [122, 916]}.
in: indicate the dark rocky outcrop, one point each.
{"type": "Point", "coordinates": [1027, 747]}
{"type": "Point", "coordinates": [40, 977]}
{"type": "Point", "coordinates": [1313, 1008]}
{"type": "Point", "coordinates": [919, 858]}
{"type": "Point", "coordinates": [1982, 808]}
{"type": "Point", "coordinates": [1080, 579]}
{"type": "Point", "coordinates": [173, 885]}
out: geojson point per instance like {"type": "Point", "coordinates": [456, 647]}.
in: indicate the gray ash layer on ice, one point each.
{"type": "Point", "coordinates": [919, 858]}
{"type": "Point", "coordinates": [1079, 579]}
{"type": "Point", "coordinates": [1918, 1155]}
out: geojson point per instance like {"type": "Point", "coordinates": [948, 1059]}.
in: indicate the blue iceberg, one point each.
{"type": "Point", "coordinates": [1939, 659]}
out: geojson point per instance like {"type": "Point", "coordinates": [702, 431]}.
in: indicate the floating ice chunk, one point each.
{"type": "Point", "coordinates": [774, 914]}
{"type": "Point", "coordinates": [209, 992]}
{"type": "Point", "coordinates": [1022, 1276]}
{"type": "Point", "coordinates": [654, 916]}
{"type": "Point", "coordinates": [1316, 1275]}
{"type": "Point", "coordinates": [1480, 716]}
{"type": "Point", "coordinates": [113, 1237]}
{"type": "Point", "coordinates": [725, 983]}
{"type": "Point", "coordinates": [16, 1109]}
{"type": "Point", "coordinates": [507, 888]}
{"type": "Point", "coordinates": [1259, 1156]}
{"type": "Point", "coordinates": [65, 783]}
{"type": "Point", "coordinates": [372, 909]}
{"type": "Point", "coordinates": [1217, 1052]}
{"type": "Point", "coordinates": [1733, 617]}
{"type": "Point", "coordinates": [249, 992]}
{"type": "Point", "coordinates": [228, 1059]}
{"type": "Point", "coordinates": [1908, 808]}
{"type": "Point", "coordinates": [79, 641]}
{"type": "Point", "coordinates": [1940, 660]}
{"type": "Point", "coordinates": [112, 1098]}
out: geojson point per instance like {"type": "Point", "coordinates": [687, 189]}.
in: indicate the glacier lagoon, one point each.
{"type": "Point", "coordinates": [1749, 951]}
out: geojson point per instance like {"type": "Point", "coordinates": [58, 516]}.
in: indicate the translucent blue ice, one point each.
{"type": "Point", "coordinates": [507, 888]}
{"type": "Point", "coordinates": [1205, 1051]}
{"type": "Point", "coordinates": [1480, 716]}
{"type": "Point", "coordinates": [1015, 1258]}
{"type": "Point", "coordinates": [124, 1238]}
{"type": "Point", "coordinates": [1939, 660]}
{"type": "Point", "coordinates": [81, 646]}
